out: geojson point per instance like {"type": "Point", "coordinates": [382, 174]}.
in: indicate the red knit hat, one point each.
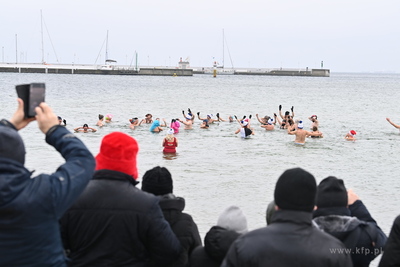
{"type": "Point", "coordinates": [118, 152]}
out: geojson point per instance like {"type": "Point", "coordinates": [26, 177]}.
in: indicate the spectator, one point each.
{"type": "Point", "coordinates": [113, 223]}
{"type": "Point", "coordinates": [343, 215]}
{"type": "Point", "coordinates": [290, 239]}
{"type": "Point", "coordinates": [30, 206]}
{"type": "Point", "coordinates": [231, 224]}
{"type": "Point", "coordinates": [391, 255]}
{"type": "Point", "coordinates": [158, 181]}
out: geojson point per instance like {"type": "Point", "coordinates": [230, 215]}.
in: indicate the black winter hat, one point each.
{"type": "Point", "coordinates": [11, 145]}
{"type": "Point", "coordinates": [296, 190]}
{"type": "Point", "coordinates": [157, 181]}
{"type": "Point", "coordinates": [331, 192]}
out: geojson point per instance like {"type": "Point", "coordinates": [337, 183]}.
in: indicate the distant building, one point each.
{"type": "Point", "coordinates": [184, 64]}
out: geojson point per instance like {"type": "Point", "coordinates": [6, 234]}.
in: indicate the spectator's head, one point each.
{"type": "Point", "coordinates": [296, 190]}
{"type": "Point", "coordinates": [331, 193]}
{"type": "Point", "coordinates": [11, 145]}
{"type": "Point", "coordinates": [118, 152]}
{"type": "Point", "coordinates": [157, 181]}
{"type": "Point", "coordinates": [233, 219]}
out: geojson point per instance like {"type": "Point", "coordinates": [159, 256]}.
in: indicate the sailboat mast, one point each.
{"type": "Point", "coordinates": [223, 49]}
{"type": "Point", "coordinates": [106, 47]}
{"type": "Point", "coordinates": [41, 30]}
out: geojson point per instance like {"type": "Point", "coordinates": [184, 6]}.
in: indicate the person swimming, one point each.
{"type": "Point", "coordinates": [350, 135]}
{"type": "Point", "coordinates": [100, 121]}
{"type": "Point", "coordinates": [108, 118]}
{"type": "Point", "coordinates": [134, 122]}
{"type": "Point", "coordinates": [85, 129]}
{"type": "Point", "coordinates": [156, 126]}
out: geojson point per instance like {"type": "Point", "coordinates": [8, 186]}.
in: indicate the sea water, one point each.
{"type": "Point", "coordinates": [215, 168]}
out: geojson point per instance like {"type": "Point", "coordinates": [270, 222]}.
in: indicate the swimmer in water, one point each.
{"type": "Point", "coordinates": [148, 118]}
{"type": "Point", "coordinates": [209, 118]}
{"type": "Point", "coordinates": [393, 124]}
{"type": "Point", "coordinates": [301, 134]}
{"type": "Point", "coordinates": [170, 142]}
{"type": "Point", "coordinates": [175, 125]}
{"type": "Point", "coordinates": [263, 120]}
{"type": "Point", "coordinates": [108, 118]}
{"type": "Point", "coordinates": [188, 120]}
{"type": "Point", "coordinates": [156, 126]}
{"type": "Point", "coordinates": [287, 113]}
{"type": "Point", "coordinates": [100, 121]}
{"type": "Point", "coordinates": [351, 135]}
{"type": "Point", "coordinates": [85, 129]}
{"type": "Point", "coordinates": [315, 130]}
{"type": "Point", "coordinates": [314, 121]}
{"type": "Point", "coordinates": [134, 122]}
{"type": "Point", "coordinates": [204, 124]}
{"type": "Point", "coordinates": [244, 130]}
{"type": "Point", "coordinates": [61, 121]}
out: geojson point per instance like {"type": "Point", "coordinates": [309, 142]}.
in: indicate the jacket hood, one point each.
{"type": "Point", "coordinates": [13, 179]}
{"type": "Point", "coordinates": [217, 242]}
{"type": "Point", "coordinates": [172, 206]}
{"type": "Point", "coordinates": [337, 225]}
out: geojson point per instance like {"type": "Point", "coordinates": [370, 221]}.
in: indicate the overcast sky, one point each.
{"type": "Point", "coordinates": [348, 36]}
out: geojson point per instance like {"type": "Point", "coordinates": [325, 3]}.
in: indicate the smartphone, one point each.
{"type": "Point", "coordinates": [32, 94]}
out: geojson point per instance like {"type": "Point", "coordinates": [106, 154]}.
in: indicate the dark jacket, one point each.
{"type": "Point", "coordinates": [290, 240]}
{"type": "Point", "coordinates": [391, 255]}
{"type": "Point", "coordinates": [182, 225]}
{"type": "Point", "coordinates": [355, 227]}
{"type": "Point", "coordinates": [30, 207]}
{"type": "Point", "coordinates": [216, 244]}
{"type": "Point", "coordinates": [113, 223]}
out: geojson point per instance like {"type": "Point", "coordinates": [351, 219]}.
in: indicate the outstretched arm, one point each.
{"type": "Point", "coordinates": [395, 125]}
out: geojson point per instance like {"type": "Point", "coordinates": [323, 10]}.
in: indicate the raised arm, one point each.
{"type": "Point", "coordinates": [260, 121]}
{"type": "Point", "coordinates": [395, 125]}
{"type": "Point", "coordinates": [198, 116]}
{"type": "Point", "coordinates": [280, 112]}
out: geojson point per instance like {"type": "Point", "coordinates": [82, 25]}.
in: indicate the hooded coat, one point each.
{"type": "Point", "coordinates": [30, 206]}
{"type": "Point", "coordinates": [216, 245]}
{"type": "Point", "coordinates": [182, 225]}
{"type": "Point", "coordinates": [391, 256]}
{"type": "Point", "coordinates": [355, 227]}
{"type": "Point", "coordinates": [113, 223]}
{"type": "Point", "coordinates": [290, 240]}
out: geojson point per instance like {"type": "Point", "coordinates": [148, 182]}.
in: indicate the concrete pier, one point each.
{"type": "Point", "coordinates": [92, 69]}
{"type": "Point", "coordinates": [153, 71]}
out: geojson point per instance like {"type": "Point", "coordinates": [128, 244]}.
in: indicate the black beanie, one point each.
{"type": "Point", "coordinates": [331, 192]}
{"type": "Point", "coordinates": [296, 190]}
{"type": "Point", "coordinates": [157, 181]}
{"type": "Point", "coordinates": [11, 145]}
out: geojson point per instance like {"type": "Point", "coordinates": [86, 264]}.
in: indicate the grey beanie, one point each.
{"type": "Point", "coordinates": [233, 219]}
{"type": "Point", "coordinates": [11, 145]}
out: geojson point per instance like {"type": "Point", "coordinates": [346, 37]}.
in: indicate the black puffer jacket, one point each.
{"type": "Point", "coordinates": [391, 256]}
{"type": "Point", "coordinates": [355, 227]}
{"type": "Point", "coordinates": [216, 245]}
{"type": "Point", "coordinates": [182, 225]}
{"type": "Point", "coordinates": [115, 224]}
{"type": "Point", "coordinates": [290, 240]}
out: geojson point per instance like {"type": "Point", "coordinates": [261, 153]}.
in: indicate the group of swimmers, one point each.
{"type": "Point", "coordinates": [284, 121]}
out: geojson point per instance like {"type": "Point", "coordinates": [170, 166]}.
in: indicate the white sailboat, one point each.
{"type": "Point", "coordinates": [221, 68]}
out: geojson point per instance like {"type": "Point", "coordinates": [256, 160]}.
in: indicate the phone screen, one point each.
{"type": "Point", "coordinates": [36, 96]}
